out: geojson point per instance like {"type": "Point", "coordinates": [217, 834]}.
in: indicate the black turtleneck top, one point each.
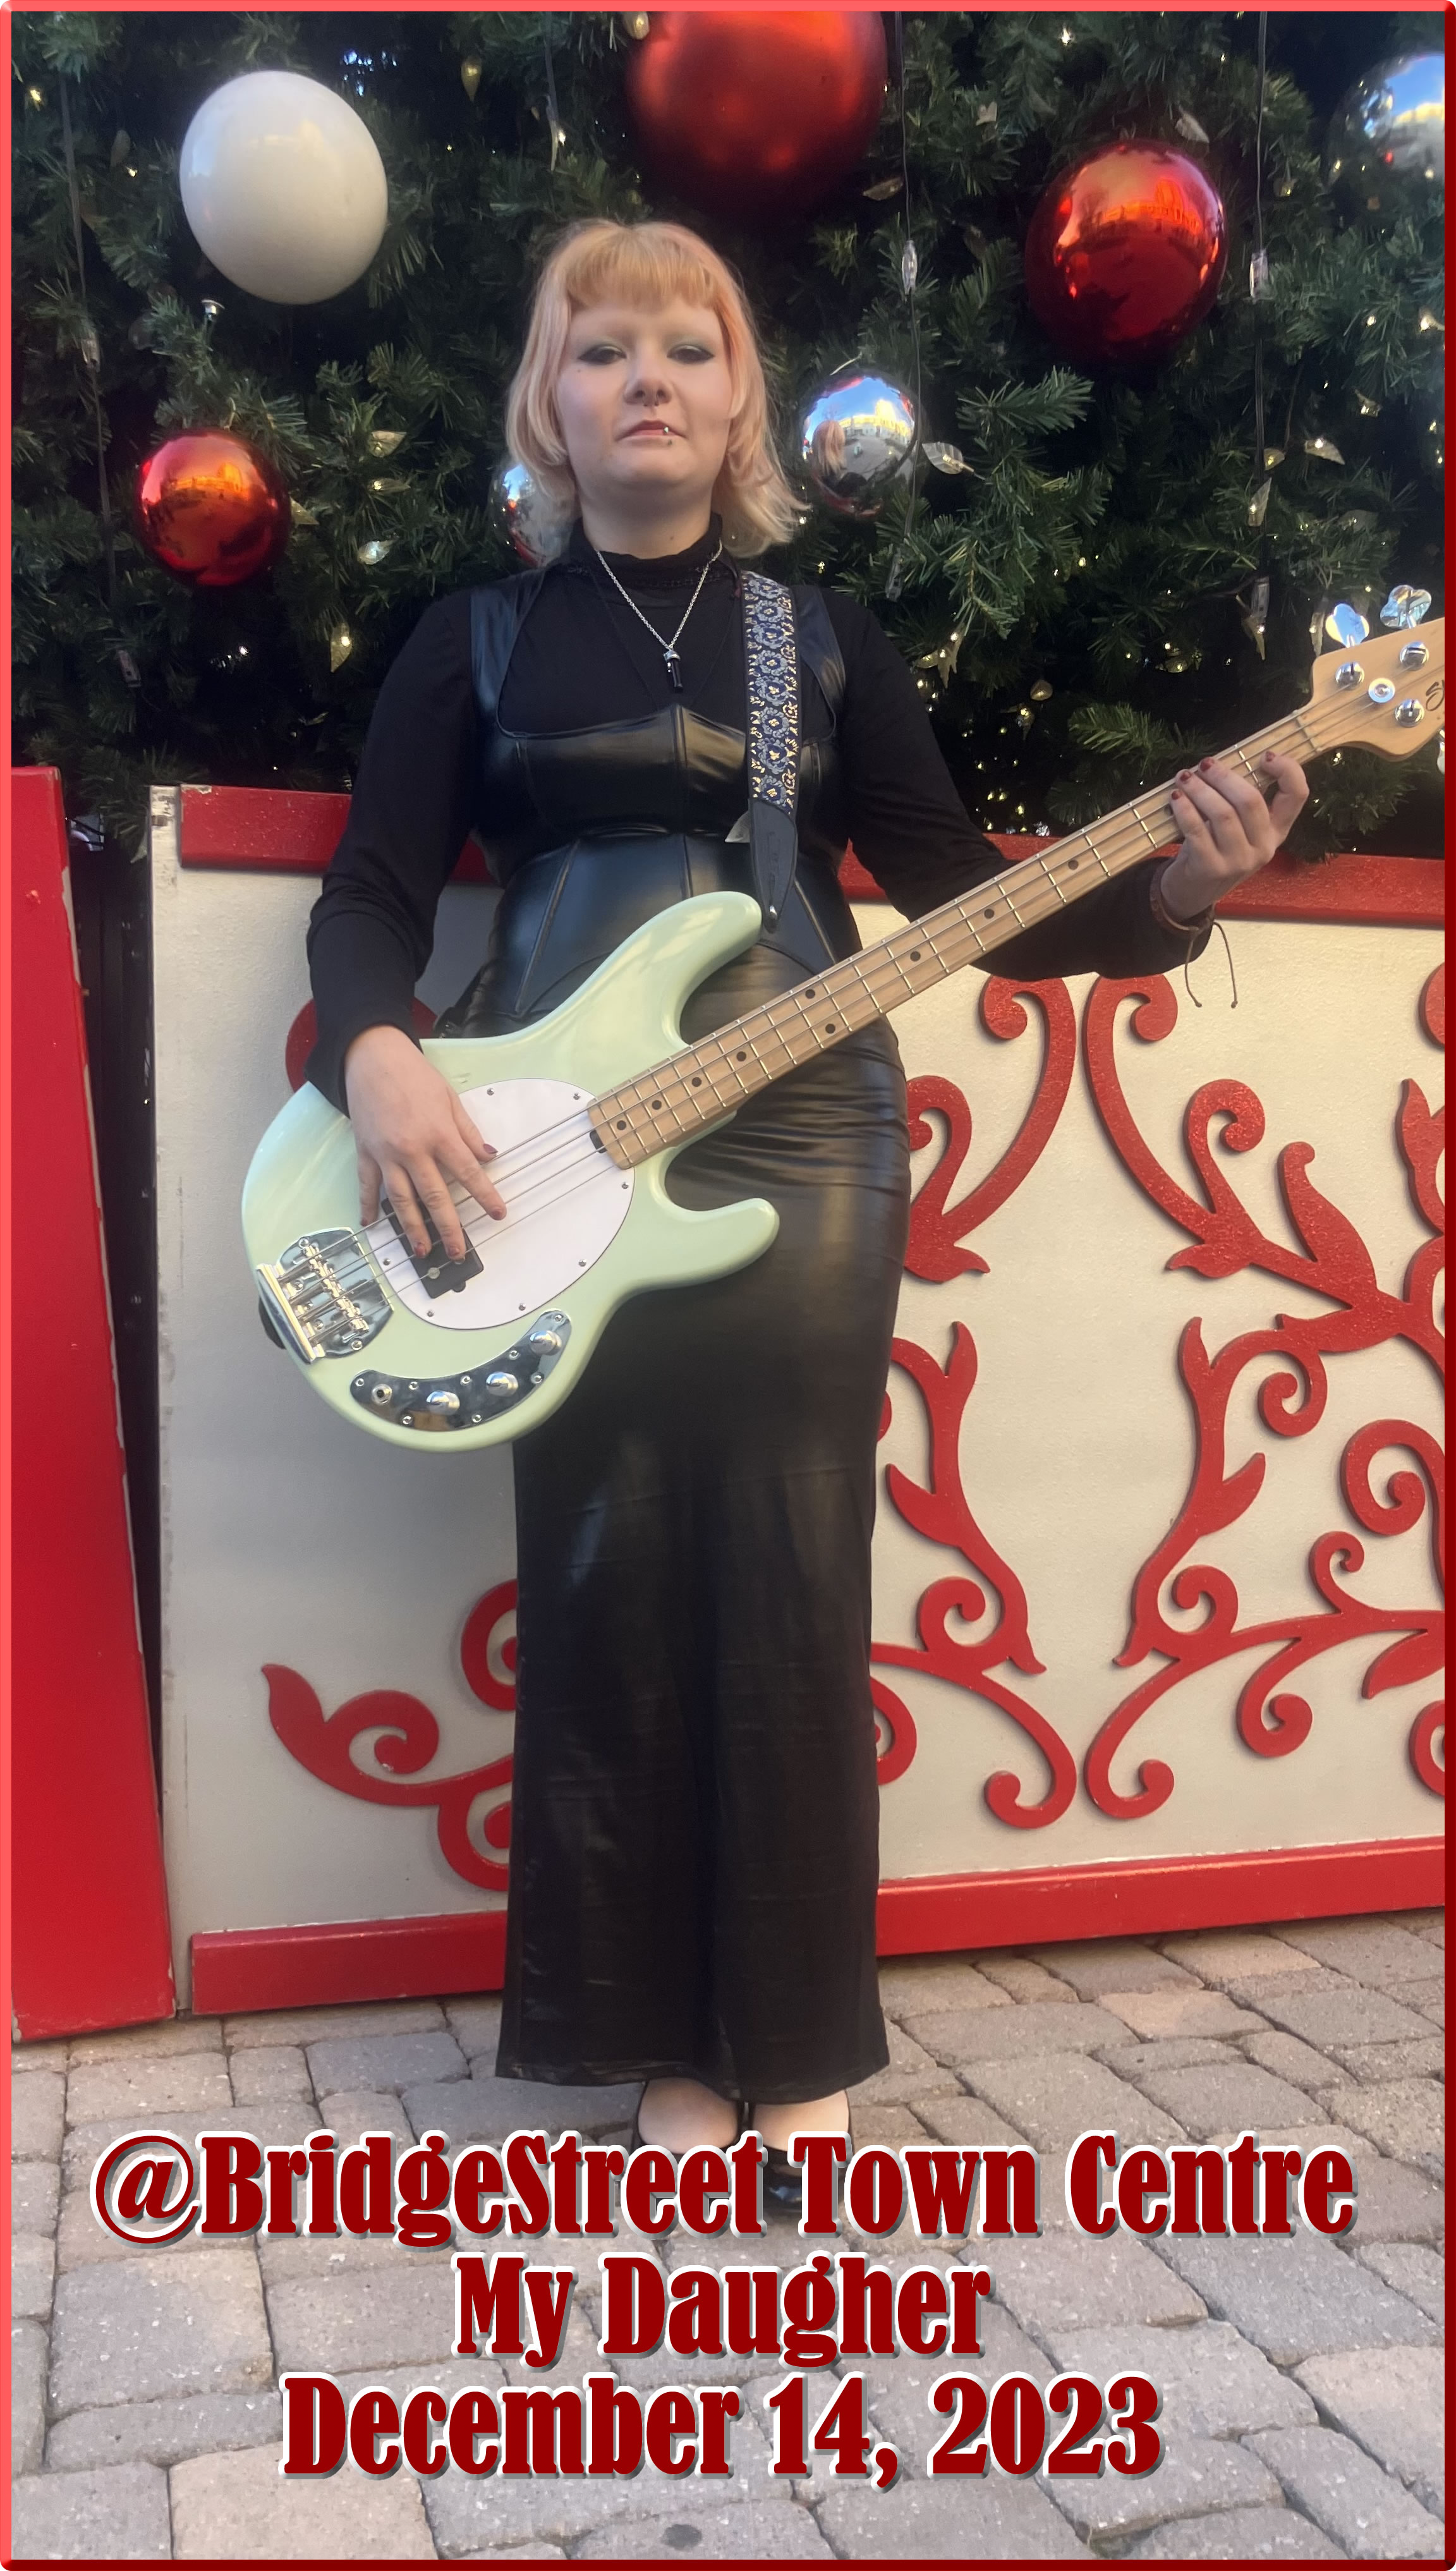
{"type": "Point", "coordinates": [582, 658]}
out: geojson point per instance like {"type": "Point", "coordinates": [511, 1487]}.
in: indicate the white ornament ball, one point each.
{"type": "Point", "coordinates": [283, 186]}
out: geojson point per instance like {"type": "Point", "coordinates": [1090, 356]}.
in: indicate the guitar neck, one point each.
{"type": "Point", "coordinates": [698, 1086]}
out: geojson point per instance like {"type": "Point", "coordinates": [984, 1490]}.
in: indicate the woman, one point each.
{"type": "Point", "coordinates": [693, 1828]}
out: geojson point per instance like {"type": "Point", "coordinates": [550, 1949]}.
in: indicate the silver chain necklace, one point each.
{"type": "Point", "coordinates": [668, 649]}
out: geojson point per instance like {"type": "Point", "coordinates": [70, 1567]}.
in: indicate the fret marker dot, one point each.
{"type": "Point", "coordinates": [914, 954]}
{"type": "Point", "coordinates": [697, 1079]}
{"type": "Point", "coordinates": [1071, 866]}
{"type": "Point", "coordinates": [988, 914]}
{"type": "Point", "coordinates": [657, 1102]}
{"type": "Point", "coordinates": [740, 1057]}
{"type": "Point", "coordinates": [828, 1026]}
{"type": "Point", "coordinates": [621, 1124]}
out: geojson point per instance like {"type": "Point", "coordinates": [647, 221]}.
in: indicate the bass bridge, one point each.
{"type": "Point", "coordinates": [323, 1297]}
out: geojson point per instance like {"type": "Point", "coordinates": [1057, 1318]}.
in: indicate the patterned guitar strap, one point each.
{"type": "Point", "coordinates": [770, 649]}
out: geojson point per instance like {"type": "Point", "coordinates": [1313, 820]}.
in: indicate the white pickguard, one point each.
{"type": "Point", "coordinates": [566, 1203]}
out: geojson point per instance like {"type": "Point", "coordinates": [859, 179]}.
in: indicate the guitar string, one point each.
{"type": "Point", "coordinates": [863, 973]}
{"type": "Point", "coordinates": [957, 929]}
{"type": "Point", "coordinates": [853, 977]}
{"type": "Point", "coordinates": [509, 1164]}
{"type": "Point", "coordinates": [879, 958]}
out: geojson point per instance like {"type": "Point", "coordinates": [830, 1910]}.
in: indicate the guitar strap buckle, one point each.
{"type": "Point", "coordinates": [770, 649]}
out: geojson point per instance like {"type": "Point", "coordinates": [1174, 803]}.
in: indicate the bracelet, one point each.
{"type": "Point", "coordinates": [1163, 916]}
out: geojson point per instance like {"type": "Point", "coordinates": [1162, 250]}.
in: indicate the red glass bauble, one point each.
{"type": "Point", "coordinates": [1125, 252]}
{"type": "Point", "coordinates": [756, 114]}
{"type": "Point", "coordinates": [212, 509]}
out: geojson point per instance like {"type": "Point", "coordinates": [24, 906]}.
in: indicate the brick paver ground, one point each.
{"type": "Point", "coordinates": [1301, 2381]}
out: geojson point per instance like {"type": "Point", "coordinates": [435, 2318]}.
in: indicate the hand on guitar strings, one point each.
{"type": "Point", "coordinates": [412, 1138]}
{"type": "Point", "coordinates": [1229, 828]}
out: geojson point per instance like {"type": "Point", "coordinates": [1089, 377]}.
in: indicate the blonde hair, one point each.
{"type": "Point", "coordinates": [647, 265]}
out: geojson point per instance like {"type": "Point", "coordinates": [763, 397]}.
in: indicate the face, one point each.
{"type": "Point", "coordinates": [646, 403]}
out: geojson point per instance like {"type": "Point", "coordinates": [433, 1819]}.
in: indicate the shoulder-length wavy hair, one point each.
{"type": "Point", "coordinates": [646, 264]}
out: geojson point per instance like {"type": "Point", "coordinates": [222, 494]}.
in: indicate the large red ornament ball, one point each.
{"type": "Point", "coordinates": [212, 509]}
{"type": "Point", "coordinates": [756, 114]}
{"type": "Point", "coordinates": [1124, 254]}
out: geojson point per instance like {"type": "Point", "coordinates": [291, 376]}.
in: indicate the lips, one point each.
{"type": "Point", "coordinates": [656, 429]}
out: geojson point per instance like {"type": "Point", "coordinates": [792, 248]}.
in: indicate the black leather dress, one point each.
{"type": "Point", "coordinates": [694, 1824]}
{"type": "Point", "coordinates": [694, 1834]}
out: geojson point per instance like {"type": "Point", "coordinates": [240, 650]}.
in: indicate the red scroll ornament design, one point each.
{"type": "Point", "coordinates": [941, 1513]}
{"type": "Point", "coordinates": [468, 1824]}
{"type": "Point", "coordinates": [1335, 1264]}
{"type": "Point", "coordinates": [937, 1230]}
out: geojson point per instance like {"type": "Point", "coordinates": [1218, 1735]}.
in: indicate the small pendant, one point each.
{"type": "Point", "coordinates": [675, 668]}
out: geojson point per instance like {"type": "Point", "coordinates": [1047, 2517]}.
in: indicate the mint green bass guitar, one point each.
{"type": "Point", "coordinates": [587, 1107]}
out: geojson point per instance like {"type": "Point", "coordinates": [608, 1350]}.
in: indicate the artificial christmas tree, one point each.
{"type": "Point", "coordinates": [1121, 568]}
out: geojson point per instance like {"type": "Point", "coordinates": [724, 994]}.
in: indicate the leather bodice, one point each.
{"type": "Point", "coordinates": [592, 832]}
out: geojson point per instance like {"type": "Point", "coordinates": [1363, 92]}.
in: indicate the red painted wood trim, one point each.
{"type": "Point", "coordinates": [268, 830]}
{"type": "Point", "coordinates": [272, 830]}
{"type": "Point", "coordinates": [237, 1969]}
{"type": "Point", "coordinates": [1153, 1897]}
{"type": "Point", "coordinates": [383, 1959]}
{"type": "Point", "coordinates": [91, 1944]}
{"type": "Point", "coordinates": [1381, 892]}
{"type": "Point", "coordinates": [1372, 892]}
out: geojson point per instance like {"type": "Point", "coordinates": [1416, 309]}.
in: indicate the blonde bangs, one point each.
{"type": "Point", "coordinates": [637, 264]}
{"type": "Point", "coordinates": [647, 265]}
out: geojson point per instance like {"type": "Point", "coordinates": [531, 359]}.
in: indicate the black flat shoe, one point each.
{"type": "Point", "coordinates": [782, 2177]}
{"type": "Point", "coordinates": [782, 2182]}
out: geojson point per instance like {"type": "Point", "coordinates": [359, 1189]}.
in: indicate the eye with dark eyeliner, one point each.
{"type": "Point", "coordinates": [601, 353]}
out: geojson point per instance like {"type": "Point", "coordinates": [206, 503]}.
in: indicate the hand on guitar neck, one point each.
{"type": "Point", "coordinates": [412, 1138]}
{"type": "Point", "coordinates": [1230, 830]}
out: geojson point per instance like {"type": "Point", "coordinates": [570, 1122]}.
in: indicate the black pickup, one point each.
{"type": "Point", "coordinates": [437, 1272]}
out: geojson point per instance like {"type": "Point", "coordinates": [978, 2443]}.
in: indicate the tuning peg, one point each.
{"type": "Point", "coordinates": [1345, 625]}
{"type": "Point", "coordinates": [1406, 606]}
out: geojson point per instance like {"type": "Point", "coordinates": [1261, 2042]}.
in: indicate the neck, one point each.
{"type": "Point", "coordinates": [668, 1104]}
{"type": "Point", "coordinates": [648, 532]}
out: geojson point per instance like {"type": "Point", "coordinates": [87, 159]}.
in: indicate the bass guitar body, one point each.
{"type": "Point", "coordinates": [481, 1351]}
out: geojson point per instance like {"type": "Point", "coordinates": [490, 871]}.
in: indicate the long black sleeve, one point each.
{"type": "Point", "coordinates": [372, 928]}
{"type": "Point", "coordinates": [911, 830]}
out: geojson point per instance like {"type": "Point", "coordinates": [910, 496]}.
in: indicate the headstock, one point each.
{"type": "Point", "coordinates": [1387, 693]}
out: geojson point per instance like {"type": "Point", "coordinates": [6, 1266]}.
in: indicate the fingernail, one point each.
{"type": "Point", "coordinates": [1205, 763]}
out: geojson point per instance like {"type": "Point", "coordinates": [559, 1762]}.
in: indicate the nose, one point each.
{"type": "Point", "coordinates": [646, 381]}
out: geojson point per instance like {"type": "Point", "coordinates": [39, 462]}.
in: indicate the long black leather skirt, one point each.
{"type": "Point", "coordinates": [694, 1820]}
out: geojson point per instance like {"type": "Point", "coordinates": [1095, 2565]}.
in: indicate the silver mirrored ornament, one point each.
{"type": "Point", "coordinates": [1386, 152]}
{"type": "Point", "coordinates": [521, 512]}
{"type": "Point", "coordinates": [856, 439]}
